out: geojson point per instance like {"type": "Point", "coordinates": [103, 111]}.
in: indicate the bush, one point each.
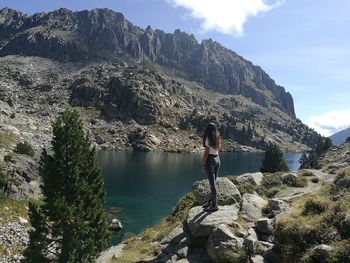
{"type": "Point", "coordinates": [315, 180]}
{"type": "Point", "coordinates": [307, 174]}
{"type": "Point", "coordinates": [341, 183]}
{"type": "Point", "coordinates": [340, 252]}
{"type": "Point", "coordinates": [273, 161]}
{"type": "Point", "coordinates": [4, 180]}
{"type": "Point", "coordinates": [24, 148]}
{"type": "Point", "coordinates": [293, 180]}
{"type": "Point", "coordinates": [315, 206]}
{"type": "Point", "coordinates": [8, 157]}
{"type": "Point", "coordinates": [272, 180]}
{"type": "Point", "coordinates": [296, 235]}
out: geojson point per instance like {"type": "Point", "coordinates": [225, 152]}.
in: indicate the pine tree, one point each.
{"type": "Point", "coordinates": [273, 160]}
{"type": "Point", "coordinates": [70, 226]}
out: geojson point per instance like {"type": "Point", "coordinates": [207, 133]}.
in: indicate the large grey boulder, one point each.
{"type": "Point", "coordinates": [251, 207]}
{"type": "Point", "coordinates": [227, 192]}
{"type": "Point", "coordinates": [223, 245]}
{"type": "Point", "coordinates": [201, 222]}
{"type": "Point", "coordinates": [250, 178]}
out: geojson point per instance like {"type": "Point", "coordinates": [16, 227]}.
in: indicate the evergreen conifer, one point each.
{"type": "Point", "coordinates": [273, 160]}
{"type": "Point", "coordinates": [70, 226]}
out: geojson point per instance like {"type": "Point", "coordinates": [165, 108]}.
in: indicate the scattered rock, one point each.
{"type": "Point", "coordinates": [115, 225]}
{"type": "Point", "coordinates": [278, 205]}
{"type": "Point", "coordinates": [22, 220]}
{"type": "Point", "coordinates": [250, 240]}
{"type": "Point", "coordinates": [251, 207]}
{"type": "Point", "coordinates": [223, 245]}
{"type": "Point", "coordinates": [264, 226]}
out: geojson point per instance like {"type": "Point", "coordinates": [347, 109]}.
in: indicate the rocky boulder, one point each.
{"type": "Point", "coordinates": [251, 207]}
{"type": "Point", "coordinates": [250, 178]}
{"type": "Point", "coordinates": [227, 192]}
{"type": "Point", "coordinates": [201, 222]}
{"type": "Point", "coordinates": [115, 225]}
{"type": "Point", "coordinates": [278, 205]}
{"type": "Point", "coordinates": [143, 141]}
{"type": "Point", "coordinates": [223, 245]}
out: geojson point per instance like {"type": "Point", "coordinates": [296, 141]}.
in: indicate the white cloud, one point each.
{"type": "Point", "coordinates": [225, 16]}
{"type": "Point", "coordinates": [330, 122]}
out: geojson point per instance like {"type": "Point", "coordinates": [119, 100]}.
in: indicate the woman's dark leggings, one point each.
{"type": "Point", "coordinates": [212, 167]}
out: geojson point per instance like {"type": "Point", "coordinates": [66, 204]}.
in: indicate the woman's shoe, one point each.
{"type": "Point", "coordinates": [213, 208]}
{"type": "Point", "coordinates": [206, 205]}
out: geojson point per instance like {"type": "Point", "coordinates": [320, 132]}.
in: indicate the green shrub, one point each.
{"type": "Point", "coordinates": [315, 180]}
{"type": "Point", "coordinates": [296, 235]}
{"type": "Point", "coordinates": [315, 206]}
{"type": "Point", "coordinates": [4, 179]}
{"type": "Point", "coordinates": [8, 157]}
{"type": "Point", "coordinates": [24, 148]}
{"type": "Point", "coordinates": [307, 174]}
{"type": "Point", "coordinates": [271, 180]}
{"type": "Point", "coordinates": [339, 215]}
{"type": "Point", "coordinates": [293, 180]}
{"type": "Point", "coordinates": [340, 252]}
{"type": "Point", "coordinates": [341, 183]}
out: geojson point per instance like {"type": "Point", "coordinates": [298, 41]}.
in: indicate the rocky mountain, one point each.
{"type": "Point", "coordinates": [136, 88]}
{"type": "Point", "coordinates": [340, 137]}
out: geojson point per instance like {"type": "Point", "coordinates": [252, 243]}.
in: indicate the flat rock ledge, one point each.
{"type": "Point", "coordinates": [201, 223]}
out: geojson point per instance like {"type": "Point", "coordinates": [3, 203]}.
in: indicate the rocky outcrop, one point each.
{"type": "Point", "coordinates": [227, 192]}
{"type": "Point", "coordinates": [201, 223]}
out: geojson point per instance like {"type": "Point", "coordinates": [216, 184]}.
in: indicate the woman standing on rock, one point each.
{"type": "Point", "coordinates": [211, 161]}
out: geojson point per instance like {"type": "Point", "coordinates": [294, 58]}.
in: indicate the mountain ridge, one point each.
{"type": "Point", "coordinates": [94, 34]}
{"type": "Point", "coordinates": [139, 89]}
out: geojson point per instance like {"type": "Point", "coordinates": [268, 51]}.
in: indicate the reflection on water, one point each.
{"type": "Point", "coordinates": [146, 186]}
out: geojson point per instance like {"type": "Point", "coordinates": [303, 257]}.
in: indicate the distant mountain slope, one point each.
{"type": "Point", "coordinates": [340, 137]}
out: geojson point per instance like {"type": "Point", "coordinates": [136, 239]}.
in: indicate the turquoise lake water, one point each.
{"type": "Point", "coordinates": [144, 187]}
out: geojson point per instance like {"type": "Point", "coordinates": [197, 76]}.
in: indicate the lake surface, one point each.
{"type": "Point", "coordinates": [146, 186]}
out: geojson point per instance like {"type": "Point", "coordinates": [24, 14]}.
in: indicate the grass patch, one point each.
{"type": "Point", "coordinates": [314, 219]}
{"type": "Point", "coordinates": [306, 173]}
{"type": "Point", "coordinates": [141, 247]}
{"type": "Point", "coordinates": [11, 209]}
{"type": "Point", "coordinates": [7, 139]}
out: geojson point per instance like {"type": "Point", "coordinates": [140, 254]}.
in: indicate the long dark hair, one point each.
{"type": "Point", "coordinates": [212, 132]}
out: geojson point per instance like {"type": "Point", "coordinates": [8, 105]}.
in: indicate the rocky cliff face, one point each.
{"type": "Point", "coordinates": [102, 33]}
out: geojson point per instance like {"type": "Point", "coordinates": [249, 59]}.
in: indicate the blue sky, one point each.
{"type": "Point", "coordinates": [304, 45]}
